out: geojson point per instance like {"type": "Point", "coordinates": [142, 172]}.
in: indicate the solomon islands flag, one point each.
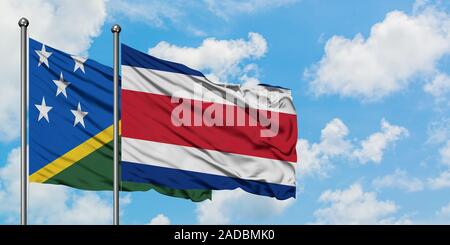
{"type": "Point", "coordinates": [204, 135]}
{"type": "Point", "coordinates": [70, 124]}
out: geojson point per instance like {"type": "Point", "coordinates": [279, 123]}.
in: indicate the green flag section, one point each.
{"type": "Point", "coordinates": [95, 172]}
{"type": "Point", "coordinates": [89, 166]}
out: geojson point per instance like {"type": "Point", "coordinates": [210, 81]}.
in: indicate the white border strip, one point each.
{"type": "Point", "coordinates": [208, 161]}
{"type": "Point", "coordinates": [167, 83]}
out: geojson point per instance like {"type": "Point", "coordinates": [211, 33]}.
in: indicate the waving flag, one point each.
{"type": "Point", "coordinates": [71, 117]}
{"type": "Point", "coordinates": [183, 131]}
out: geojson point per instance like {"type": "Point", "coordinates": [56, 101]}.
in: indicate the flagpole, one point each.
{"type": "Point", "coordinates": [116, 30]}
{"type": "Point", "coordinates": [23, 23]}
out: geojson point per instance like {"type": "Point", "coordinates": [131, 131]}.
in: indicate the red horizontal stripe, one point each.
{"type": "Point", "coordinates": [147, 116]}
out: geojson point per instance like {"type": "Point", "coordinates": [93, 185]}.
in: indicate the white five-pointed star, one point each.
{"type": "Point", "coordinates": [43, 56]}
{"type": "Point", "coordinates": [79, 115]}
{"type": "Point", "coordinates": [61, 85]}
{"type": "Point", "coordinates": [43, 110]}
{"type": "Point", "coordinates": [79, 63]}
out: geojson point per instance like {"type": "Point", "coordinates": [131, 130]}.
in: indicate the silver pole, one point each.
{"type": "Point", "coordinates": [116, 30]}
{"type": "Point", "coordinates": [23, 23]}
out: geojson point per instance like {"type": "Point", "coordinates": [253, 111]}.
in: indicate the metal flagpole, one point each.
{"type": "Point", "coordinates": [116, 30]}
{"type": "Point", "coordinates": [23, 23]}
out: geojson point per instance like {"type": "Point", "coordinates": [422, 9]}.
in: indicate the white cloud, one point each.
{"type": "Point", "coordinates": [354, 206]}
{"type": "Point", "coordinates": [67, 25]}
{"type": "Point", "coordinates": [311, 161]}
{"type": "Point", "coordinates": [227, 65]}
{"type": "Point", "coordinates": [444, 211]}
{"type": "Point", "coordinates": [441, 181]}
{"type": "Point", "coordinates": [373, 147]}
{"type": "Point", "coordinates": [177, 13]}
{"type": "Point", "coordinates": [9, 184]}
{"type": "Point", "coordinates": [439, 131]}
{"type": "Point", "coordinates": [154, 13]}
{"type": "Point", "coordinates": [77, 209]}
{"type": "Point", "coordinates": [397, 49]}
{"type": "Point", "coordinates": [160, 219]}
{"type": "Point", "coordinates": [236, 205]}
{"type": "Point", "coordinates": [439, 86]}
{"type": "Point", "coordinates": [445, 153]}
{"type": "Point", "coordinates": [399, 179]}
{"type": "Point", "coordinates": [439, 134]}
{"type": "Point", "coordinates": [228, 8]}
{"type": "Point", "coordinates": [249, 75]}
{"type": "Point", "coordinates": [314, 159]}
{"type": "Point", "coordinates": [50, 204]}
{"type": "Point", "coordinates": [332, 138]}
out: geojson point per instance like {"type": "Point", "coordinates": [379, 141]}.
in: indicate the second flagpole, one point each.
{"type": "Point", "coordinates": [116, 30]}
{"type": "Point", "coordinates": [23, 23]}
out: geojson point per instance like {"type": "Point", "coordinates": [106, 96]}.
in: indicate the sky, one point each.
{"type": "Point", "coordinates": [370, 82]}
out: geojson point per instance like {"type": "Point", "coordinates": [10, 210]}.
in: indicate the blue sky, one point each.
{"type": "Point", "coordinates": [370, 82]}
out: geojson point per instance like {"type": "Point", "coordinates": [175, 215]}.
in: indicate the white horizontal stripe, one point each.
{"type": "Point", "coordinates": [171, 83]}
{"type": "Point", "coordinates": [208, 161]}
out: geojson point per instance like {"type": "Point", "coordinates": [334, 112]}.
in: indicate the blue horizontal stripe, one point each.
{"type": "Point", "coordinates": [272, 86]}
{"type": "Point", "coordinates": [183, 179]}
{"type": "Point", "coordinates": [133, 57]}
{"type": "Point", "coordinates": [93, 89]}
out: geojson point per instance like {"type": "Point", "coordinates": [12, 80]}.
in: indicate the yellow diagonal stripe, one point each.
{"type": "Point", "coordinates": [73, 156]}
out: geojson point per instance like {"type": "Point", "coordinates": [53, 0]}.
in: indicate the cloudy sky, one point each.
{"type": "Point", "coordinates": [370, 81]}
